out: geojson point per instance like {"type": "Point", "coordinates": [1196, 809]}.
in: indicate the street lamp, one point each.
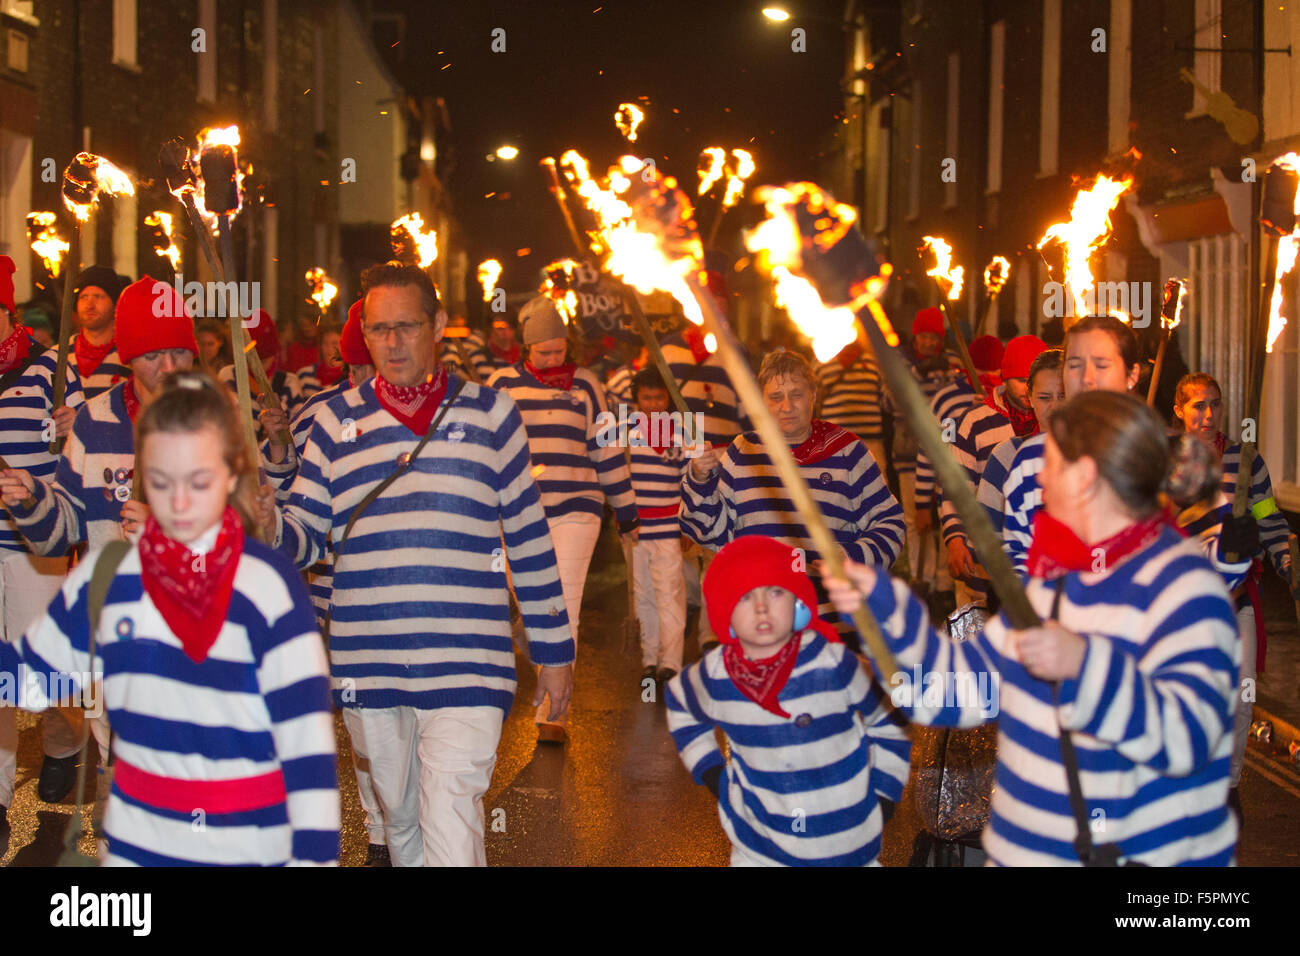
{"type": "Point", "coordinates": [507, 152]}
{"type": "Point", "coordinates": [776, 14]}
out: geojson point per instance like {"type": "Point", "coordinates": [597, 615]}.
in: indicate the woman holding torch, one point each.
{"type": "Point", "coordinates": [1132, 676]}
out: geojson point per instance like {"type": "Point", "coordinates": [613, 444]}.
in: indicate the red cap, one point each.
{"type": "Point", "coordinates": [756, 561]}
{"type": "Point", "coordinates": [928, 320]}
{"type": "Point", "coordinates": [7, 270]}
{"type": "Point", "coordinates": [1020, 354]}
{"type": "Point", "coordinates": [352, 344]}
{"type": "Point", "coordinates": [265, 334]}
{"type": "Point", "coordinates": [150, 316]}
{"type": "Point", "coordinates": [986, 353]}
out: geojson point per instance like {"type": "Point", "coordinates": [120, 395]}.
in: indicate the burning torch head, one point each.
{"type": "Point", "coordinates": [1277, 205]}
{"type": "Point", "coordinates": [79, 183]}
{"type": "Point", "coordinates": [220, 191]}
{"type": "Point", "coordinates": [174, 158]}
{"type": "Point", "coordinates": [1172, 303]}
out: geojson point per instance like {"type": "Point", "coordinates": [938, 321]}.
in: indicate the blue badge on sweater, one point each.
{"type": "Point", "coordinates": [125, 628]}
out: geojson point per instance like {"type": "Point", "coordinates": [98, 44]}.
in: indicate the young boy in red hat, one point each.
{"type": "Point", "coordinates": [818, 759]}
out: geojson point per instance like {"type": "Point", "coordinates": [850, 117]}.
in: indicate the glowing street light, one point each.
{"type": "Point", "coordinates": [507, 152]}
{"type": "Point", "coordinates": [776, 14]}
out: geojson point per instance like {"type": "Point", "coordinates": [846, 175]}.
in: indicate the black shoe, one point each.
{"type": "Point", "coordinates": [4, 830]}
{"type": "Point", "coordinates": [58, 774]}
{"type": "Point", "coordinates": [647, 673]}
{"type": "Point", "coordinates": [665, 675]}
{"type": "Point", "coordinates": [377, 855]}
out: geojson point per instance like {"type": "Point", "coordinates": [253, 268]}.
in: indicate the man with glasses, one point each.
{"type": "Point", "coordinates": [421, 653]}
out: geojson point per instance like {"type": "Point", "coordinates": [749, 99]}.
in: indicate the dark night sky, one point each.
{"type": "Point", "coordinates": [729, 71]}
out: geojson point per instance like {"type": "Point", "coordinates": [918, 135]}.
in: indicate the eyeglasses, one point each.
{"type": "Point", "coordinates": [404, 330]}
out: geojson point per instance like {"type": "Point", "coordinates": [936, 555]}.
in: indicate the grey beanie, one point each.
{"type": "Point", "coordinates": [540, 321]}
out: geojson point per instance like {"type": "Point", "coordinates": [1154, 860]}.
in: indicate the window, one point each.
{"type": "Point", "coordinates": [1049, 122]}
{"type": "Point", "coordinates": [124, 33]}
{"type": "Point", "coordinates": [997, 61]}
{"type": "Point", "coordinates": [20, 9]}
{"type": "Point", "coordinates": [953, 125]}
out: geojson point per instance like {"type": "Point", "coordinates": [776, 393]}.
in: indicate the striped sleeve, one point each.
{"type": "Point", "coordinates": [690, 726]}
{"type": "Point", "coordinates": [483, 363]}
{"type": "Point", "coordinates": [57, 521]}
{"type": "Point", "coordinates": [305, 522]}
{"type": "Point", "coordinates": [708, 512]}
{"type": "Point", "coordinates": [1022, 498]}
{"type": "Point", "coordinates": [610, 463]}
{"type": "Point", "coordinates": [293, 677]}
{"type": "Point", "coordinates": [989, 491]}
{"type": "Point", "coordinates": [1274, 532]}
{"type": "Point", "coordinates": [879, 517]}
{"type": "Point", "coordinates": [890, 746]}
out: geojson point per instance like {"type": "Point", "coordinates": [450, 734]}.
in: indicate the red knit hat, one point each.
{"type": "Point", "coordinates": [756, 561]}
{"type": "Point", "coordinates": [928, 320]}
{"type": "Point", "coordinates": [1020, 354]}
{"type": "Point", "coordinates": [352, 343]}
{"type": "Point", "coordinates": [7, 270]}
{"type": "Point", "coordinates": [265, 334]}
{"type": "Point", "coordinates": [150, 316]}
{"type": "Point", "coordinates": [986, 353]}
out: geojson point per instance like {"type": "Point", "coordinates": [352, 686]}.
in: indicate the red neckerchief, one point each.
{"type": "Point", "coordinates": [826, 439]}
{"type": "Point", "coordinates": [560, 377]}
{"type": "Point", "coordinates": [665, 436]}
{"type": "Point", "coordinates": [13, 349]}
{"type": "Point", "coordinates": [191, 591]}
{"type": "Point", "coordinates": [413, 406]}
{"type": "Point", "coordinates": [1056, 550]}
{"type": "Point", "coordinates": [1220, 444]}
{"type": "Point", "coordinates": [849, 354]}
{"type": "Point", "coordinates": [328, 374]}
{"type": "Point", "coordinates": [131, 400]}
{"type": "Point", "coordinates": [761, 681]}
{"type": "Point", "coordinates": [1023, 421]}
{"type": "Point", "coordinates": [510, 356]}
{"type": "Point", "coordinates": [89, 356]}
{"type": "Point", "coordinates": [694, 340]}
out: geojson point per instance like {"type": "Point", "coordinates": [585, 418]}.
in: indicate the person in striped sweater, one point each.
{"type": "Point", "coordinates": [656, 458]}
{"type": "Point", "coordinates": [501, 350]}
{"type": "Point", "coordinates": [576, 467]}
{"type": "Point", "coordinates": [213, 673]}
{"type": "Point", "coordinates": [852, 395]}
{"type": "Point", "coordinates": [330, 369]}
{"type": "Point", "coordinates": [419, 631]}
{"type": "Point", "coordinates": [741, 493]}
{"type": "Point", "coordinates": [287, 385]}
{"type": "Point", "coordinates": [1198, 409]}
{"type": "Point", "coordinates": [817, 759]}
{"type": "Point", "coordinates": [1136, 662]}
{"type": "Point", "coordinates": [81, 498]}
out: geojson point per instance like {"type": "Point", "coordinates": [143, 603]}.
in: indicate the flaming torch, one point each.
{"type": "Point", "coordinates": [1171, 313]}
{"type": "Point", "coordinates": [627, 118]}
{"type": "Point", "coordinates": [413, 243]}
{"type": "Point", "coordinates": [46, 241]}
{"type": "Point", "coordinates": [87, 177]}
{"type": "Point", "coordinates": [948, 279]}
{"type": "Point", "coordinates": [814, 237]}
{"type": "Point", "coordinates": [161, 224]}
{"type": "Point", "coordinates": [323, 290]}
{"type": "Point", "coordinates": [489, 271]}
{"type": "Point", "coordinates": [1067, 246]}
{"type": "Point", "coordinates": [996, 274]}
{"type": "Point", "coordinates": [739, 166]}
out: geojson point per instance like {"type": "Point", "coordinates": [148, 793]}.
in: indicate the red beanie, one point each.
{"type": "Point", "coordinates": [7, 270]}
{"type": "Point", "coordinates": [1020, 354]}
{"type": "Point", "coordinates": [986, 353]}
{"type": "Point", "coordinates": [928, 320]}
{"type": "Point", "coordinates": [150, 316]}
{"type": "Point", "coordinates": [756, 561]}
{"type": "Point", "coordinates": [266, 335]}
{"type": "Point", "coordinates": [352, 344]}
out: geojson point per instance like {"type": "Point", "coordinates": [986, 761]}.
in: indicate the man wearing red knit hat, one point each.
{"type": "Point", "coordinates": [89, 499]}
{"type": "Point", "coordinates": [285, 384]}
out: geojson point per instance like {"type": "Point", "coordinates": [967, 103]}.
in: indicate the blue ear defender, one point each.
{"type": "Point", "coordinates": [802, 615]}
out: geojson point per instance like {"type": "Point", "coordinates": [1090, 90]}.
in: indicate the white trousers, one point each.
{"type": "Point", "coordinates": [936, 563]}
{"type": "Point", "coordinates": [1245, 711]}
{"type": "Point", "coordinates": [365, 786]}
{"type": "Point", "coordinates": [430, 770]}
{"type": "Point", "coordinates": [660, 601]}
{"type": "Point", "coordinates": [28, 584]}
{"type": "Point", "coordinates": [574, 539]}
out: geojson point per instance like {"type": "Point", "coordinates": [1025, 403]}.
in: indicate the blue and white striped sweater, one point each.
{"type": "Point", "coordinates": [1274, 532]}
{"type": "Point", "coordinates": [852, 397]}
{"type": "Point", "coordinates": [574, 471]}
{"type": "Point", "coordinates": [656, 483]}
{"type": "Point", "coordinates": [949, 404]}
{"type": "Point", "coordinates": [1151, 710]}
{"type": "Point", "coordinates": [25, 410]}
{"type": "Point", "coordinates": [994, 476]}
{"type": "Point", "coordinates": [707, 391]}
{"type": "Point", "coordinates": [258, 703]}
{"type": "Point", "coordinates": [420, 609]}
{"type": "Point", "coordinates": [796, 795]}
{"type": "Point", "coordinates": [92, 480]}
{"type": "Point", "coordinates": [981, 430]}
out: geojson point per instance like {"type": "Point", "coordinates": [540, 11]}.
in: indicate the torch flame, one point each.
{"type": "Point", "coordinates": [426, 242]}
{"type": "Point", "coordinates": [627, 118]}
{"type": "Point", "coordinates": [163, 221]}
{"type": "Point", "coordinates": [737, 172]}
{"type": "Point", "coordinates": [996, 274]}
{"type": "Point", "coordinates": [561, 277]}
{"type": "Point", "coordinates": [105, 177]}
{"type": "Point", "coordinates": [219, 136]}
{"type": "Point", "coordinates": [323, 290]}
{"type": "Point", "coordinates": [710, 169]}
{"type": "Point", "coordinates": [1287, 248]}
{"type": "Point", "coordinates": [489, 270]}
{"type": "Point", "coordinates": [46, 241]}
{"type": "Point", "coordinates": [209, 137]}
{"type": "Point", "coordinates": [1088, 228]}
{"type": "Point", "coordinates": [943, 270]}
{"type": "Point", "coordinates": [1170, 324]}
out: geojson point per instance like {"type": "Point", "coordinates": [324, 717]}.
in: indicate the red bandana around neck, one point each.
{"type": "Point", "coordinates": [89, 357]}
{"type": "Point", "coordinates": [694, 340]}
{"type": "Point", "coordinates": [826, 439]}
{"type": "Point", "coordinates": [510, 356]}
{"type": "Point", "coordinates": [192, 592]}
{"type": "Point", "coordinates": [327, 374]}
{"type": "Point", "coordinates": [1023, 421]}
{"type": "Point", "coordinates": [761, 681]}
{"type": "Point", "coordinates": [131, 400]}
{"type": "Point", "coordinates": [1056, 550]}
{"type": "Point", "coordinates": [13, 349]}
{"type": "Point", "coordinates": [414, 406]}
{"type": "Point", "coordinates": [560, 377]}
{"type": "Point", "coordinates": [1220, 444]}
{"type": "Point", "coordinates": [665, 435]}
